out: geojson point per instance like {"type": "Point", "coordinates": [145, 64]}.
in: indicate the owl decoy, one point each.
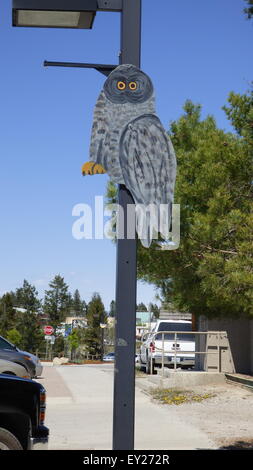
{"type": "Point", "coordinates": [129, 142]}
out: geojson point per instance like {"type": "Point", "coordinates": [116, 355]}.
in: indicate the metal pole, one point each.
{"type": "Point", "coordinates": [175, 363]}
{"type": "Point", "coordinates": [102, 343]}
{"type": "Point", "coordinates": [162, 355]}
{"type": "Point", "coordinates": [219, 361]}
{"type": "Point", "coordinates": [125, 326]}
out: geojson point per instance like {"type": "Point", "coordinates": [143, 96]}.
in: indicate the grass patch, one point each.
{"type": "Point", "coordinates": [172, 396]}
{"type": "Point", "coordinates": [140, 373]}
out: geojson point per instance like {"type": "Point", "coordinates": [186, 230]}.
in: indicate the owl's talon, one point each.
{"type": "Point", "coordinates": [91, 168]}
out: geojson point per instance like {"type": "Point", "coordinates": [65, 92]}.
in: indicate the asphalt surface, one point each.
{"type": "Point", "coordinates": [80, 409]}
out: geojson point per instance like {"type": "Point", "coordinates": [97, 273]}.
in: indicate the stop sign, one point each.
{"type": "Point", "coordinates": [48, 330]}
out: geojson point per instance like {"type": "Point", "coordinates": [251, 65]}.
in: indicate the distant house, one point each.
{"type": "Point", "coordinates": [143, 323]}
{"type": "Point", "coordinates": [76, 322]}
{"type": "Point", "coordinates": [19, 309]}
{"type": "Point", "coordinates": [144, 317]}
{"type": "Point", "coordinates": [110, 322]}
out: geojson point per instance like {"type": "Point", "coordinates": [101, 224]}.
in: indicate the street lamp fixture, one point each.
{"type": "Point", "coordinates": [77, 14]}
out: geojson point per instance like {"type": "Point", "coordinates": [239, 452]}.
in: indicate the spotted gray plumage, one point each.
{"type": "Point", "coordinates": [129, 141]}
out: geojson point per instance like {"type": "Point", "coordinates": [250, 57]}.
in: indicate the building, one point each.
{"type": "Point", "coordinates": [144, 323]}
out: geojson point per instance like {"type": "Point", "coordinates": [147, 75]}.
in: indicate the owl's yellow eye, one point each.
{"type": "Point", "coordinates": [121, 86]}
{"type": "Point", "coordinates": [132, 86]}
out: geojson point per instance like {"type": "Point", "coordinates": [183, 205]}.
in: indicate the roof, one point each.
{"type": "Point", "coordinates": [173, 321]}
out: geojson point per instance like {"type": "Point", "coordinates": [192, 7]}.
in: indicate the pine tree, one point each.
{"type": "Point", "coordinates": [155, 309]}
{"type": "Point", "coordinates": [141, 307]}
{"type": "Point", "coordinates": [7, 313]}
{"type": "Point", "coordinates": [57, 301]}
{"type": "Point", "coordinates": [14, 337]}
{"type": "Point", "coordinates": [78, 305]}
{"type": "Point", "coordinates": [28, 322]}
{"type": "Point", "coordinates": [249, 9]}
{"type": "Point", "coordinates": [112, 311]}
{"type": "Point", "coordinates": [27, 297]}
{"type": "Point", "coordinates": [211, 271]}
{"type": "Point", "coordinates": [32, 337]}
{"type": "Point", "coordinates": [95, 316]}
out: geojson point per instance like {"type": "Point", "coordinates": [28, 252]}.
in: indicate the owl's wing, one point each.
{"type": "Point", "coordinates": [99, 144]}
{"type": "Point", "coordinates": [148, 164]}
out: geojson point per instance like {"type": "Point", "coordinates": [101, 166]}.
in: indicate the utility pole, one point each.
{"type": "Point", "coordinates": [125, 327]}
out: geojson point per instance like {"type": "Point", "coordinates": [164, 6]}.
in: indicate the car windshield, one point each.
{"type": "Point", "coordinates": [165, 326]}
{"type": "Point", "coordinates": [5, 344]}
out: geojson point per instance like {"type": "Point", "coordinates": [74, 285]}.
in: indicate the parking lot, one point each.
{"type": "Point", "coordinates": [80, 409]}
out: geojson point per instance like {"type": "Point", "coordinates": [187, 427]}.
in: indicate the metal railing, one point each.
{"type": "Point", "coordinates": [176, 351]}
{"type": "Point", "coordinates": [50, 355]}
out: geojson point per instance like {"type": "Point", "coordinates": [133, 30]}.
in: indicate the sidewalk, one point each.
{"type": "Point", "coordinates": [80, 409]}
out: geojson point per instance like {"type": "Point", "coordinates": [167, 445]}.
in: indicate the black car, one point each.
{"type": "Point", "coordinates": [22, 414]}
{"type": "Point", "coordinates": [9, 352]}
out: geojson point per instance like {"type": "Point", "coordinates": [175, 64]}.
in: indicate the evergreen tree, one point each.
{"type": "Point", "coordinates": [32, 337]}
{"type": "Point", "coordinates": [155, 309]}
{"type": "Point", "coordinates": [14, 337]}
{"type": "Point", "coordinates": [7, 313]}
{"type": "Point", "coordinates": [112, 311]}
{"type": "Point", "coordinates": [95, 316]}
{"type": "Point", "coordinates": [141, 307]}
{"type": "Point", "coordinates": [27, 297]}
{"type": "Point", "coordinates": [211, 271]}
{"type": "Point", "coordinates": [57, 301]}
{"type": "Point", "coordinates": [28, 322]}
{"type": "Point", "coordinates": [74, 342]}
{"type": "Point", "coordinates": [78, 305]}
{"type": "Point", "coordinates": [249, 9]}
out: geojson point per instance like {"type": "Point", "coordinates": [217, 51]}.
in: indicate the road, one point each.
{"type": "Point", "coordinates": [80, 406]}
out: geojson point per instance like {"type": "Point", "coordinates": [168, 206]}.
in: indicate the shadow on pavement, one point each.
{"type": "Point", "coordinates": [238, 445]}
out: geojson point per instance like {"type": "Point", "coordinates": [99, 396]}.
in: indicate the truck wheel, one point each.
{"type": "Point", "coordinates": [8, 441]}
{"type": "Point", "coordinates": [148, 367]}
{"type": "Point", "coordinates": [142, 366]}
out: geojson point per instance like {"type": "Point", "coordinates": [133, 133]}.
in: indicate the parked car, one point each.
{"type": "Point", "coordinates": [36, 360]}
{"type": "Point", "coordinates": [181, 352]}
{"type": "Point", "coordinates": [110, 357]}
{"type": "Point", "coordinates": [11, 368]}
{"type": "Point", "coordinates": [22, 414]}
{"type": "Point", "coordinates": [10, 352]}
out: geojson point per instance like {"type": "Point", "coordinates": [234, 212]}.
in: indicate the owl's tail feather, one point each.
{"type": "Point", "coordinates": [151, 220]}
{"type": "Point", "coordinates": [144, 226]}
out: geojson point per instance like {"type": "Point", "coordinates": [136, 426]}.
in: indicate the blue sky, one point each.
{"type": "Point", "coordinates": [191, 49]}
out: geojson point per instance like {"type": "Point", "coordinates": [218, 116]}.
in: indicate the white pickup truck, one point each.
{"type": "Point", "coordinates": [169, 343]}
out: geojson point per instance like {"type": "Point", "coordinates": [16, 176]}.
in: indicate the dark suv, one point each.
{"type": "Point", "coordinates": [22, 414]}
{"type": "Point", "coordinates": [9, 352]}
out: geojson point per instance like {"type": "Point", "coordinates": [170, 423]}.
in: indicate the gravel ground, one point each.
{"type": "Point", "coordinates": [226, 418]}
